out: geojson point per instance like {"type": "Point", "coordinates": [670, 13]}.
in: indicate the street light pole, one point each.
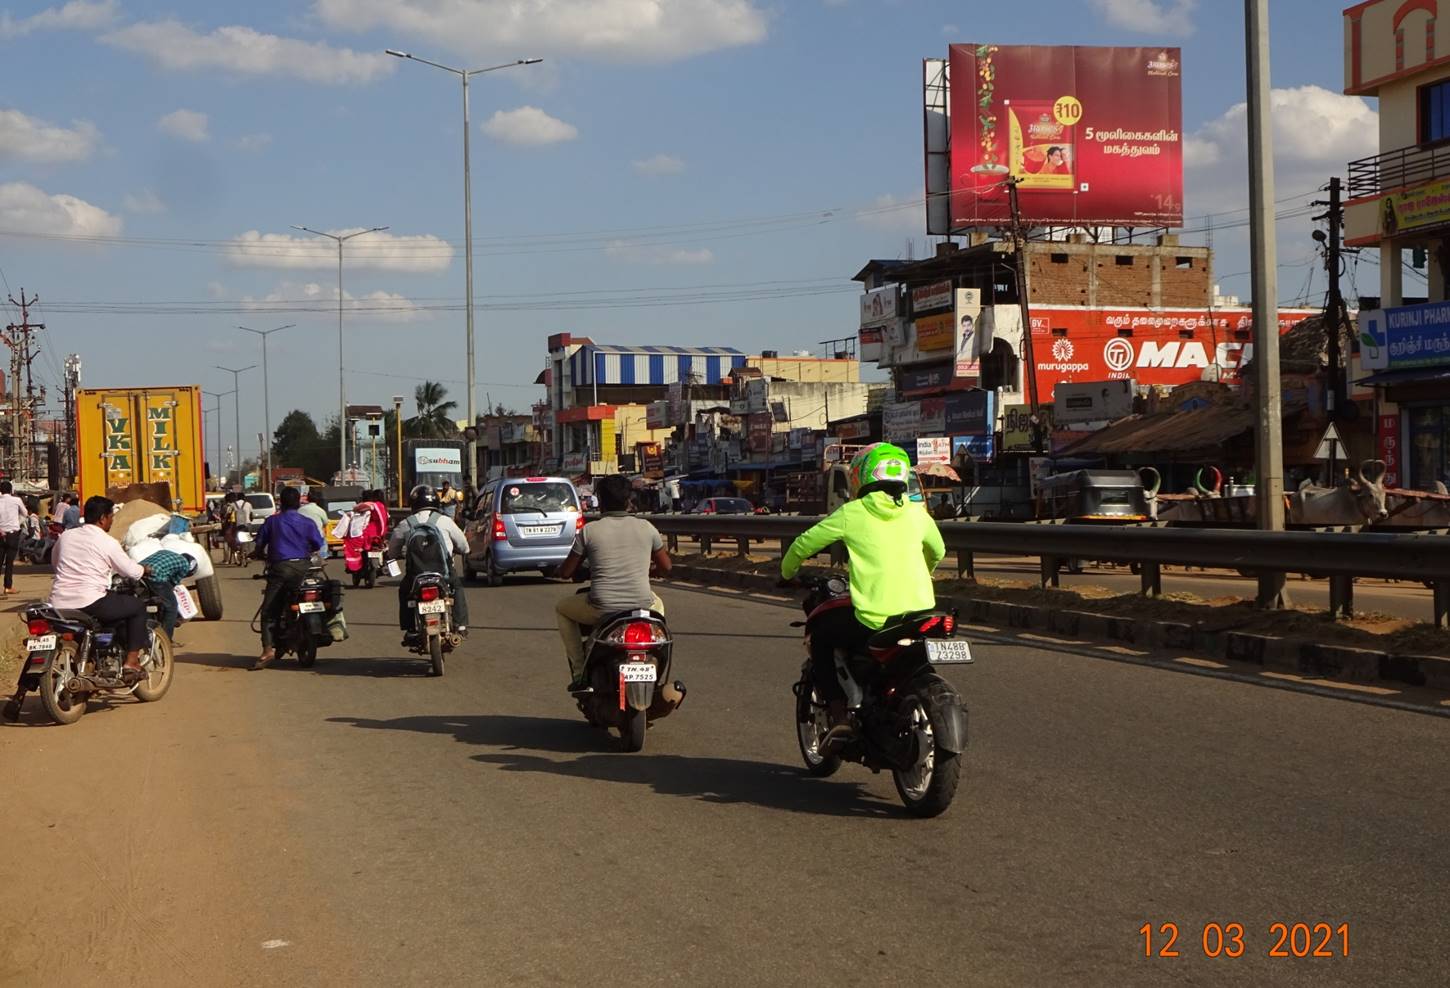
{"type": "Point", "coordinates": [464, 75]}
{"type": "Point", "coordinates": [236, 373]}
{"type": "Point", "coordinates": [341, 385]}
{"type": "Point", "coordinates": [1269, 437]}
{"type": "Point", "coordinates": [218, 395]}
{"type": "Point", "coordinates": [266, 399]}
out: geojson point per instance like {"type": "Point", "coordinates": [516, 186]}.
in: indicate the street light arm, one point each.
{"type": "Point", "coordinates": [414, 58]}
{"type": "Point", "coordinates": [506, 65]}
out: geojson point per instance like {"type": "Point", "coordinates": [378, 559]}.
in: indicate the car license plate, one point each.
{"type": "Point", "coordinates": [311, 606]}
{"type": "Point", "coordinates": [430, 607]}
{"type": "Point", "coordinates": [45, 643]}
{"type": "Point", "coordinates": [637, 672]}
{"type": "Point", "coordinates": [948, 652]}
{"type": "Point", "coordinates": [536, 530]}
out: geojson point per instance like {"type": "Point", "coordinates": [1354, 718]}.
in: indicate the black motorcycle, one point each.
{"type": "Point", "coordinates": [626, 670]}
{"type": "Point", "coordinates": [905, 717]}
{"type": "Point", "coordinates": [302, 627]}
{"type": "Point", "coordinates": [70, 657]}
{"type": "Point", "coordinates": [434, 634]}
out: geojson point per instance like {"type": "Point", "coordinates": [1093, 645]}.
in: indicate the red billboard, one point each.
{"type": "Point", "coordinates": [1163, 347]}
{"type": "Point", "coordinates": [1093, 136]}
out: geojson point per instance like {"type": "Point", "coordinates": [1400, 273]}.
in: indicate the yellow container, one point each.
{"type": "Point", "coordinates": [128, 436]}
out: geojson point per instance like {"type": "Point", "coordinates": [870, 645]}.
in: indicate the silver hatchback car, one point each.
{"type": "Point", "coordinates": [522, 523]}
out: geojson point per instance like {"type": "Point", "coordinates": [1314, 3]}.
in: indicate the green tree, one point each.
{"type": "Point", "coordinates": [293, 440]}
{"type": "Point", "coordinates": [435, 415]}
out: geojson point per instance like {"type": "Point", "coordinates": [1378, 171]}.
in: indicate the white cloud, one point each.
{"type": "Point", "coordinates": [418, 254]}
{"type": "Point", "coordinates": [24, 138]}
{"type": "Point", "coordinates": [620, 30]}
{"type": "Point", "coordinates": [660, 164]}
{"type": "Point", "coordinates": [252, 142]}
{"type": "Point", "coordinates": [376, 306]}
{"type": "Point", "coordinates": [244, 51]}
{"type": "Point", "coordinates": [1316, 132]}
{"type": "Point", "coordinates": [78, 15]}
{"type": "Point", "coordinates": [528, 126]}
{"type": "Point", "coordinates": [27, 209]}
{"type": "Point", "coordinates": [1171, 17]}
{"type": "Point", "coordinates": [143, 202]}
{"type": "Point", "coordinates": [185, 125]}
{"type": "Point", "coordinates": [623, 250]}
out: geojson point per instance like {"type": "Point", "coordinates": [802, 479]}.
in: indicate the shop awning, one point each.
{"type": "Point", "coordinates": [1409, 375]}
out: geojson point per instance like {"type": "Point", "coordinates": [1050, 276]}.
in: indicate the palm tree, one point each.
{"type": "Point", "coordinates": [435, 415]}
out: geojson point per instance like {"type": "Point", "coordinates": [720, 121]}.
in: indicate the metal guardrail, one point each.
{"type": "Point", "coordinates": [1397, 169]}
{"type": "Point", "coordinates": [1340, 557]}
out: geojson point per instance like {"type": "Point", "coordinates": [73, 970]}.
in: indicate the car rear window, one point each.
{"type": "Point", "coordinates": [533, 498]}
{"type": "Point", "coordinates": [732, 506]}
{"type": "Point", "coordinates": [260, 501]}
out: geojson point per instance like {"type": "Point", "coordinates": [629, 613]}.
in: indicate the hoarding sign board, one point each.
{"type": "Point", "coordinates": [936, 450]}
{"type": "Point", "coordinates": [931, 298]}
{"type": "Point", "coordinates": [878, 307]}
{"type": "Point", "coordinates": [936, 332]}
{"type": "Point", "coordinates": [1094, 135]}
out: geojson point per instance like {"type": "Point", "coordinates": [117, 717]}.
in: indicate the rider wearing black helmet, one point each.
{"type": "Point", "coordinates": [424, 503]}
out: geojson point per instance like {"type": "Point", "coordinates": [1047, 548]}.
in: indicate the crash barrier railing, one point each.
{"type": "Point", "coordinates": [1339, 557]}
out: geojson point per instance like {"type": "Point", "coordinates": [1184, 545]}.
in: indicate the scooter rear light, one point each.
{"type": "Point", "coordinates": [428, 593]}
{"type": "Point", "coordinates": [38, 626]}
{"type": "Point", "coordinates": [641, 633]}
{"type": "Point", "coordinates": [500, 534]}
{"type": "Point", "coordinates": [931, 623]}
{"type": "Point", "coordinates": [949, 624]}
{"type": "Point", "coordinates": [312, 595]}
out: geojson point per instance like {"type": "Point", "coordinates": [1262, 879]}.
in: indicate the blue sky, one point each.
{"type": "Point", "coordinates": [629, 163]}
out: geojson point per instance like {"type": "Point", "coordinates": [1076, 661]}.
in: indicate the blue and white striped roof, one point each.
{"type": "Point", "coordinates": [604, 364]}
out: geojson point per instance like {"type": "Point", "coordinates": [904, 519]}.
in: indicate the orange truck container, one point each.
{"type": "Point", "coordinates": [128, 436]}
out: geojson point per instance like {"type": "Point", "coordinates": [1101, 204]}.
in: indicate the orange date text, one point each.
{"type": "Point", "coordinates": [1302, 940]}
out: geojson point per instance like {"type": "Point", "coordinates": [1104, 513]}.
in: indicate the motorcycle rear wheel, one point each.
{"type": "Point", "coordinates": [636, 722]}
{"type": "Point", "coordinates": [61, 706]}
{"type": "Point", "coordinates": [435, 653]}
{"type": "Point", "coordinates": [306, 651]}
{"type": "Point", "coordinates": [931, 784]}
{"type": "Point", "coordinates": [161, 668]}
{"type": "Point", "coordinates": [812, 722]}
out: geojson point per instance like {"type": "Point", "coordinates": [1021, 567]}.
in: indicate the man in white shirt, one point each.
{"type": "Point", "coordinates": [13, 514]}
{"type": "Point", "coordinates": [315, 510]}
{"type": "Point", "coordinates": [84, 559]}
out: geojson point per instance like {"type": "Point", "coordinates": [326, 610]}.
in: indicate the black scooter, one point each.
{"type": "Point", "coordinates": [302, 627]}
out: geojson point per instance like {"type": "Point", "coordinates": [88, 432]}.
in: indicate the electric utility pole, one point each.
{"type": "Point", "coordinates": [1334, 314]}
{"type": "Point", "coordinates": [22, 411]}
{"type": "Point", "coordinates": [1019, 256]}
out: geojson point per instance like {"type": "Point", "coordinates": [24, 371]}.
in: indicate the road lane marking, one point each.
{"type": "Point", "coordinates": [274, 944]}
{"type": "Point", "coordinates": [1201, 663]}
{"type": "Point", "coordinates": [1050, 639]}
{"type": "Point", "coordinates": [1334, 684]}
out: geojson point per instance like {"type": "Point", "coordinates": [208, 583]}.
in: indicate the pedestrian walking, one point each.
{"type": "Point", "coordinates": [13, 515]}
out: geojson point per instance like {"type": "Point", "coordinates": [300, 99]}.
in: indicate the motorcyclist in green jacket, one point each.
{"type": "Point", "coordinates": [894, 546]}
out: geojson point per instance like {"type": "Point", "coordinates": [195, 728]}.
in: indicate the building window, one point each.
{"type": "Point", "coordinates": [1427, 452]}
{"type": "Point", "coordinates": [1059, 258]}
{"type": "Point", "coordinates": [1435, 112]}
{"type": "Point", "coordinates": [1124, 260]}
{"type": "Point", "coordinates": [1184, 263]}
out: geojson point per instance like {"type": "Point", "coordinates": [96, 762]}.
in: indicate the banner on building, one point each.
{"type": "Point", "coordinates": [901, 421]}
{"type": "Point", "coordinates": [969, 341]}
{"type": "Point", "coordinates": [1092, 135]}
{"type": "Point", "coordinates": [931, 298]}
{"type": "Point", "coordinates": [1017, 425]}
{"type": "Point", "coordinates": [878, 307]}
{"type": "Point", "coordinates": [1415, 209]}
{"type": "Point", "coordinates": [933, 420]}
{"type": "Point", "coordinates": [1389, 447]}
{"type": "Point", "coordinates": [915, 381]}
{"type": "Point", "coordinates": [982, 449]}
{"type": "Point", "coordinates": [970, 413]}
{"type": "Point", "coordinates": [1407, 336]}
{"type": "Point", "coordinates": [936, 332]}
{"type": "Point", "coordinates": [760, 426]}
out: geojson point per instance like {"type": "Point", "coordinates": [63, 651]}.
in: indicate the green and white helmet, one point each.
{"type": "Point", "coordinates": [881, 463]}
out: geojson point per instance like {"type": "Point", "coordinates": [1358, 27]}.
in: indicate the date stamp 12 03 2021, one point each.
{"type": "Point", "coordinates": [1302, 940]}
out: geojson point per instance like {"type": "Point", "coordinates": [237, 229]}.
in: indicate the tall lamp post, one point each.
{"type": "Point", "coordinates": [266, 399]}
{"type": "Point", "coordinates": [236, 373]}
{"type": "Point", "coordinates": [218, 396]}
{"type": "Point", "coordinates": [340, 239]}
{"type": "Point", "coordinates": [464, 75]}
{"type": "Point", "coordinates": [398, 449]}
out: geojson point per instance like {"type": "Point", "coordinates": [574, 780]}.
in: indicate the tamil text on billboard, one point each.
{"type": "Point", "coordinates": [1093, 136]}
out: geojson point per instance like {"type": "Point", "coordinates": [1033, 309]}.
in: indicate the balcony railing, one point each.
{"type": "Point", "coordinates": [1397, 170]}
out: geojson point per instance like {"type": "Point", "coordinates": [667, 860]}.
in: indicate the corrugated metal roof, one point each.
{"type": "Point", "coordinates": [1169, 432]}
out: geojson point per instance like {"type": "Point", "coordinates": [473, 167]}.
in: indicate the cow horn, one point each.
{"type": "Point", "coordinates": [1152, 480]}
{"type": "Point", "coordinates": [1372, 471]}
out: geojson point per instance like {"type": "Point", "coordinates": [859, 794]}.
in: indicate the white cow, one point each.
{"type": "Point", "coordinates": [1358, 502]}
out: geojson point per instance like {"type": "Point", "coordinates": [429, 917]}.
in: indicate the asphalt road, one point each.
{"type": "Point", "coordinates": [362, 824]}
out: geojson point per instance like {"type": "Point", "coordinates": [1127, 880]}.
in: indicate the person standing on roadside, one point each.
{"type": "Point", "coordinates": [72, 516]}
{"type": "Point", "coordinates": [448, 500]}
{"type": "Point", "coordinates": [13, 515]}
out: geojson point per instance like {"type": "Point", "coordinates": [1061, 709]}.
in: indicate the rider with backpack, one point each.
{"type": "Point", "coordinates": [425, 541]}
